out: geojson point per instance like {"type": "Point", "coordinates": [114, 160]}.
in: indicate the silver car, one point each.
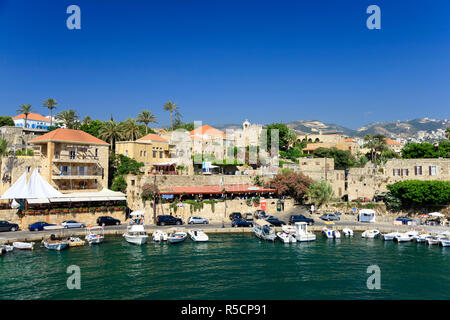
{"type": "Point", "coordinates": [197, 220]}
{"type": "Point", "coordinates": [72, 224]}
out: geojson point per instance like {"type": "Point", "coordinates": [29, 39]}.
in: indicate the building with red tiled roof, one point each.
{"type": "Point", "coordinates": [207, 131]}
{"type": "Point", "coordinates": [152, 137]}
{"type": "Point", "coordinates": [33, 121]}
{"type": "Point", "coordinates": [72, 160]}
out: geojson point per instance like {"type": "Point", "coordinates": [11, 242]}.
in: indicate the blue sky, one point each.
{"type": "Point", "coordinates": [223, 61]}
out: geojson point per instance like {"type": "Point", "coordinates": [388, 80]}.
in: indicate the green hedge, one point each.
{"type": "Point", "coordinates": [421, 193]}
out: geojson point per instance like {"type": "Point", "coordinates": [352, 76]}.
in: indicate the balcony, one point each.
{"type": "Point", "coordinates": [75, 159]}
{"type": "Point", "coordinates": [90, 175]}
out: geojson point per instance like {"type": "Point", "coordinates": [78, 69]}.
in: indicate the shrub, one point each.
{"type": "Point", "coordinates": [420, 193]}
{"type": "Point", "coordinates": [148, 191]}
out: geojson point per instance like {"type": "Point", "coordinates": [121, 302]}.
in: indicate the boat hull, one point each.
{"type": "Point", "coordinates": [58, 246]}
{"type": "Point", "coordinates": [176, 240]}
{"type": "Point", "coordinates": [23, 245]}
{"type": "Point", "coordinates": [139, 240]}
{"type": "Point", "coordinates": [94, 240]}
{"type": "Point", "coordinates": [305, 237]}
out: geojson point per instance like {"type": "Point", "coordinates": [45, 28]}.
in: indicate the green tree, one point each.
{"type": "Point", "coordinates": [111, 132]}
{"type": "Point", "coordinates": [69, 118]}
{"type": "Point", "coordinates": [343, 159]}
{"type": "Point", "coordinates": [92, 127]}
{"type": "Point", "coordinates": [50, 104]}
{"type": "Point", "coordinates": [413, 193]}
{"type": "Point", "coordinates": [186, 126]}
{"type": "Point", "coordinates": [6, 121]}
{"type": "Point", "coordinates": [130, 129]}
{"type": "Point", "coordinates": [146, 117]}
{"type": "Point", "coordinates": [119, 184]}
{"type": "Point", "coordinates": [86, 120]}
{"type": "Point", "coordinates": [26, 110]}
{"type": "Point", "coordinates": [3, 147]}
{"type": "Point", "coordinates": [171, 107]}
{"type": "Point", "coordinates": [447, 133]}
{"type": "Point", "coordinates": [320, 192]}
{"type": "Point", "coordinates": [376, 144]}
{"type": "Point", "coordinates": [285, 136]}
{"type": "Point", "coordinates": [426, 150]}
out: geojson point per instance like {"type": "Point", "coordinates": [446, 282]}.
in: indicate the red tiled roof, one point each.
{"type": "Point", "coordinates": [32, 116]}
{"type": "Point", "coordinates": [152, 137]}
{"type": "Point", "coordinates": [390, 141]}
{"type": "Point", "coordinates": [349, 140]}
{"type": "Point", "coordinates": [68, 135]}
{"type": "Point", "coordinates": [216, 189]}
{"type": "Point", "coordinates": [206, 129]}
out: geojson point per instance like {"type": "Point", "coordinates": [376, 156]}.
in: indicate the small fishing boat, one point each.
{"type": "Point", "coordinates": [198, 236]}
{"type": "Point", "coordinates": [445, 242]}
{"type": "Point", "coordinates": [302, 234]}
{"type": "Point", "coordinates": [390, 236]}
{"type": "Point", "coordinates": [52, 243]}
{"type": "Point", "coordinates": [159, 236]}
{"type": "Point", "coordinates": [8, 248]}
{"type": "Point", "coordinates": [136, 233]}
{"type": "Point", "coordinates": [406, 236]}
{"type": "Point", "coordinates": [94, 235]}
{"type": "Point", "coordinates": [371, 234]}
{"type": "Point", "coordinates": [433, 240]}
{"type": "Point", "coordinates": [264, 230]}
{"type": "Point", "coordinates": [23, 245]}
{"type": "Point", "coordinates": [286, 237]}
{"type": "Point", "coordinates": [421, 238]}
{"type": "Point", "coordinates": [177, 237]}
{"type": "Point", "coordinates": [75, 242]}
{"type": "Point", "coordinates": [331, 233]}
{"type": "Point", "coordinates": [347, 232]}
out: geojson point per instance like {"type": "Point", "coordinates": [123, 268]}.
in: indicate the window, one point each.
{"type": "Point", "coordinates": [405, 172]}
{"type": "Point", "coordinates": [96, 152]}
{"type": "Point", "coordinates": [140, 153]}
{"type": "Point", "coordinates": [72, 154]}
{"type": "Point", "coordinates": [418, 170]}
{"type": "Point", "coordinates": [126, 153]}
{"type": "Point", "coordinates": [432, 170]}
{"type": "Point", "coordinates": [396, 172]}
{"type": "Point", "coordinates": [154, 154]}
{"type": "Point", "coordinates": [160, 154]}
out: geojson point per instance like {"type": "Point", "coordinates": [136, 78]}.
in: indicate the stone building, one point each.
{"type": "Point", "coordinates": [329, 141]}
{"type": "Point", "coordinates": [70, 160]}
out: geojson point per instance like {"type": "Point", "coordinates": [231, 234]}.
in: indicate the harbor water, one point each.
{"type": "Point", "coordinates": [230, 266]}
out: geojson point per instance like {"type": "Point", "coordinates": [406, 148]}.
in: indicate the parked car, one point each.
{"type": "Point", "coordinates": [39, 226]}
{"type": "Point", "coordinates": [241, 223]}
{"type": "Point", "coordinates": [362, 199]}
{"type": "Point", "coordinates": [235, 215]}
{"type": "Point", "coordinates": [330, 217]}
{"type": "Point", "coordinates": [404, 220]}
{"type": "Point", "coordinates": [107, 221]}
{"type": "Point", "coordinates": [197, 220]}
{"type": "Point", "coordinates": [275, 222]}
{"type": "Point", "coordinates": [248, 216]}
{"type": "Point", "coordinates": [260, 214]}
{"type": "Point", "coordinates": [7, 226]}
{"type": "Point", "coordinates": [163, 220]}
{"type": "Point", "coordinates": [300, 218]}
{"type": "Point", "coordinates": [72, 224]}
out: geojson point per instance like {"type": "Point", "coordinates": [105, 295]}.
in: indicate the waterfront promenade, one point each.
{"type": "Point", "coordinates": [383, 227]}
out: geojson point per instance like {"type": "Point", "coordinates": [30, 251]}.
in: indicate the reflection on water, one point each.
{"type": "Point", "coordinates": [233, 266]}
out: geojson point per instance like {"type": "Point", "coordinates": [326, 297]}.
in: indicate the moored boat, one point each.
{"type": "Point", "coordinates": [347, 232]}
{"type": "Point", "coordinates": [94, 235]}
{"type": "Point", "coordinates": [421, 238]}
{"type": "Point", "coordinates": [23, 245]}
{"type": "Point", "coordinates": [433, 240]}
{"type": "Point", "coordinates": [8, 248]}
{"type": "Point", "coordinates": [75, 242]}
{"type": "Point", "coordinates": [55, 244]}
{"type": "Point", "coordinates": [371, 234]}
{"type": "Point", "coordinates": [302, 234]}
{"type": "Point", "coordinates": [390, 236]}
{"type": "Point", "coordinates": [286, 237]}
{"type": "Point", "coordinates": [177, 237]}
{"type": "Point", "coordinates": [198, 236]}
{"type": "Point", "coordinates": [331, 233]}
{"type": "Point", "coordinates": [264, 230]}
{"type": "Point", "coordinates": [159, 236]}
{"type": "Point", "coordinates": [406, 236]}
{"type": "Point", "coordinates": [445, 242]}
{"type": "Point", "coordinates": [136, 233]}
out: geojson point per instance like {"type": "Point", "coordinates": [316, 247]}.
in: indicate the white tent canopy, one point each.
{"type": "Point", "coordinates": [436, 214]}
{"type": "Point", "coordinates": [18, 190]}
{"type": "Point", "coordinates": [39, 188]}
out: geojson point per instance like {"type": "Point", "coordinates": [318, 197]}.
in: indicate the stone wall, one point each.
{"type": "Point", "coordinates": [88, 218]}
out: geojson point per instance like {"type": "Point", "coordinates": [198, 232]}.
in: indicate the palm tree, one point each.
{"type": "Point", "coordinates": [50, 104]}
{"type": "Point", "coordinates": [146, 117]}
{"type": "Point", "coordinates": [130, 129]}
{"type": "Point", "coordinates": [69, 118]}
{"type": "Point", "coordinates": [110, 131]}
{"type": "Point", "coordinates": [26, 110]}
{"type": "Point", "coordinates": [376, 143]}
{"type": "Point", "coordinates": [170, 106]}
{"type": "Point", "coordinates": [87, 120]}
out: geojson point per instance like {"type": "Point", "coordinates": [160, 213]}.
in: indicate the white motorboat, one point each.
{"type": "Point", "coordinates": [432, 240]}
{"type": "Point", "coordinates": [8, 248]}
{"type": "Point", "coordinates": [421, 238]}
{"type": "Point", "coordinates": [159, 236]}
{"type": "Point", "coordinates": [23, 245]}
{"type": "Point", "coordinates": [445, 242]}
{"type": "Point", "coordinates": [136, 233]}
{"type": "Point", "coordinates": [289, 229]}
{"type": "Point", "coordinates": [406, 236]}
{"type": "Point", "coordinates": [347, 232]}
{"type": "Point", "coordinates": [331, 233]}
{"type": "Point", "coordinates": [94, 235]}
{"type": "Point", "coordinates": [198, 236]}
{"type": "Point", "coordinates": [177, 237]}
{"type": "Point", "coordinates": [302, 234]}
{"type": "Point", "coordinates": [286, 237]}
{"type": "Point", "coordinates": [372, 233]}
{"type": "Point", "coordinates": [54, 244]}
{"type": "Point", "coordinates": [390, 236]}
{"type": "Point", "coordinates": [264, 230]}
